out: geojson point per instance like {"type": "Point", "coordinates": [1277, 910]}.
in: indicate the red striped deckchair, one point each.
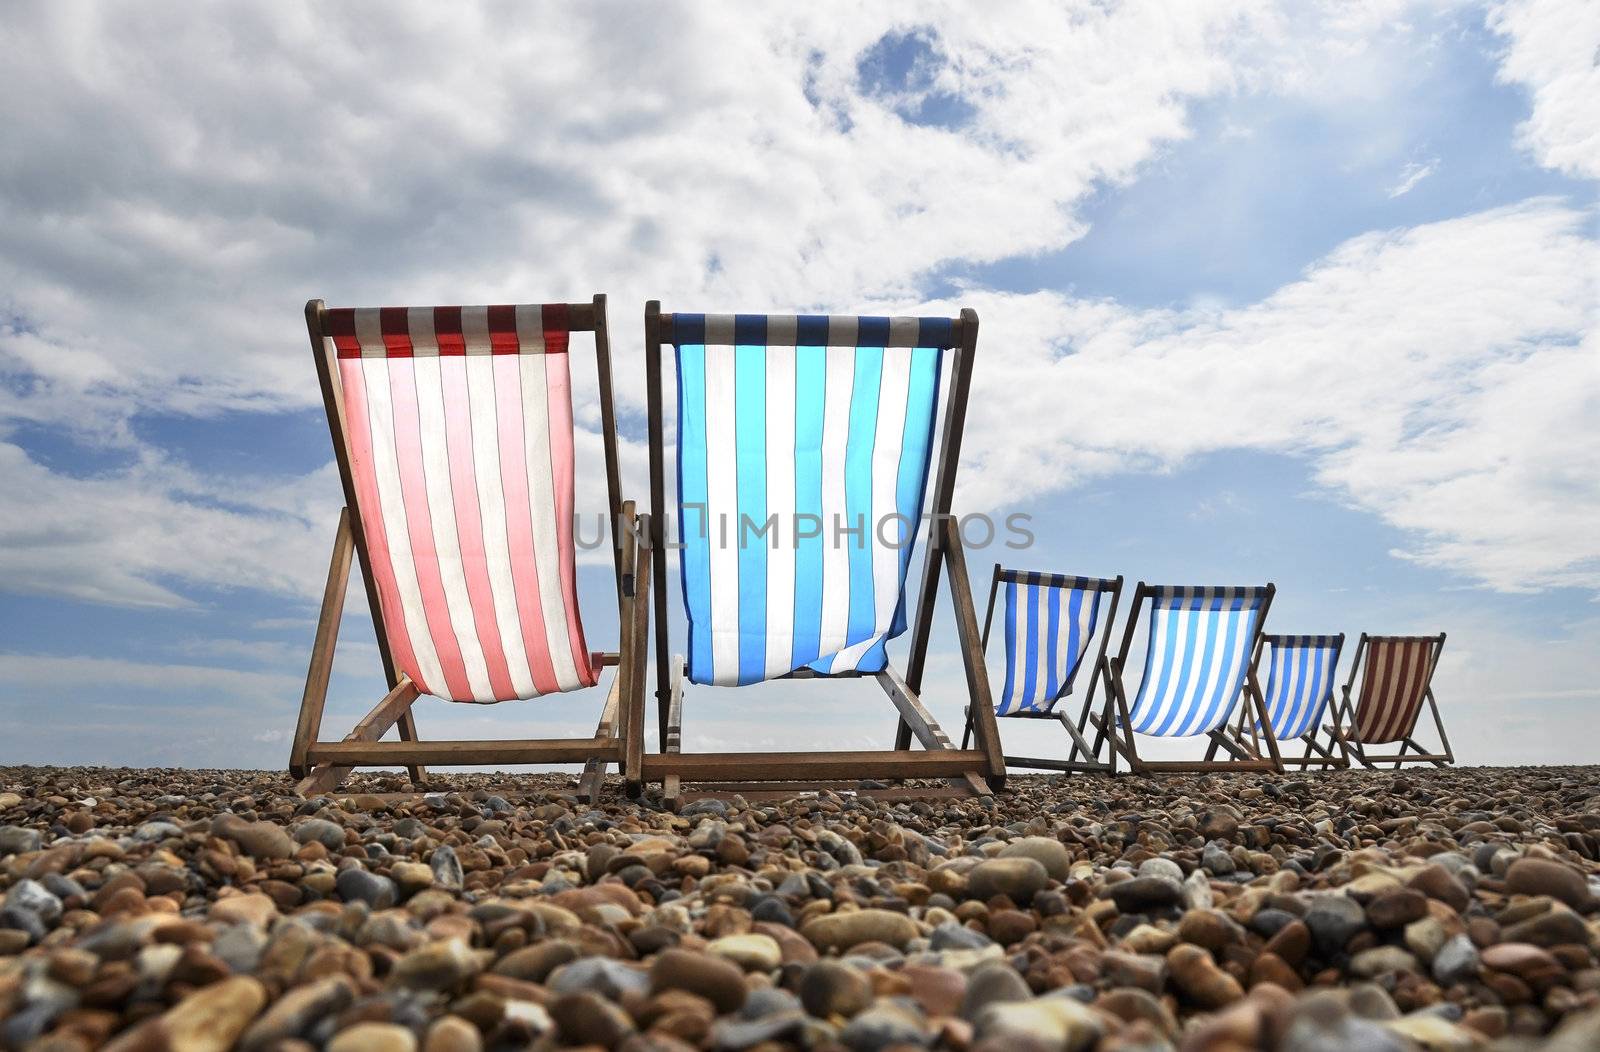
{"type": "Point", "coordinates": [1396, 681]}
{"type": "Point", "coordinates": [452, 428]}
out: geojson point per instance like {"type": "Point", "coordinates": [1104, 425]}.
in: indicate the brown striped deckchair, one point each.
{"type": "Point", "coordinates": [1396, 680]}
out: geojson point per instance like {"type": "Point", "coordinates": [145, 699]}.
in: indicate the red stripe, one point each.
{"type": "Point", "coordinates": [557, 328]}
{"type": "Point", "coordinates": [340, 324]}
{"type": "Point", "coordinates": [447, 330]}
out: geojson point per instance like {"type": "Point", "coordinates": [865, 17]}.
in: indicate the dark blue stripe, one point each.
{"type": "Point", "coordinates": [934, 332]}
{"type": "Point", "coordinates": [750, 330]}
{"type": "Point", "coordinates": [811, 330]}
{"type": "Point", "coordinates": [1052, 664]}
{"type": "Point", "coordinates": [1030, 657]}
{"type": "Point", "coordinates": [688, 330]}
{"type": "Point", "coordinates": [872, 332]}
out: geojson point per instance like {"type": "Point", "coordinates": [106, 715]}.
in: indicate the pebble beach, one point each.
{"type": "Point", "coordinates": [210, 911]}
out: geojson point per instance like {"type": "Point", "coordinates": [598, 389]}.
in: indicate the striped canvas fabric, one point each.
{"type": "Point", "coordinates": [1199, 651]}
{"type": "Point", "coordinates": [1392, 691]}
{"type": "Point", "coordinates": [792, 431]}
{"type": "Point", "coordinates": [1049, 623]}
{"type": "Point", "coordinates": [460, 443]}
{"type": "Point", "coordinates": [1299, 683]}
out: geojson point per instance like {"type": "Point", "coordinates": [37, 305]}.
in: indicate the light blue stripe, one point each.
{"type": "Point", "coordinates": [1298, 688]}
{"type": "Point", "coordinates": [911, 483]}
{"type": "Point", "coordinates": [1277, 693]}
{"type": "Point", "coordinates": [693, 533]}
{"type": "Point", "coordinates": [1148, 702]}
{"type": "Point", "coordinates": [1006, 708]}
{"type": "Point", "coordinates": [750, 441]}
{"type": "Point", "coordinates": [1194, 699]}
{"type": "Point", "coordinates": [810, 388]}
{"type": "Point", "coordinates": [858, 491]}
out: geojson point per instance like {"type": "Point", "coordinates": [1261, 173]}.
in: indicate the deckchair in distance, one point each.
{"type": "Point", "coordinates": [1398, 678]}
{"type": "Point", "coordinates": [452, 427]}
{"type": "Point", "coordinates": [1051, 621]}
{"type": "Point", "coordinates": [807, 427]}
{"type": "Point", "coordinates": [1197, 667]}
{"type": "Point", "coordinates": [1299, 690]}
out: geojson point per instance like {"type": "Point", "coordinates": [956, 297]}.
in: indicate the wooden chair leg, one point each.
{"type": "Point", "coordinates": [315, 697]}
{"type": "Point", "coordinates": [408, 733]}
{"type": "Point", "coordinates": [594, 772]}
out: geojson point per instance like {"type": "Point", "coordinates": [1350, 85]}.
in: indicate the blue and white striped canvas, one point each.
{"type": "Point", "coordinates": [808, 438]}
{"type": "Point", "coordinates": [1299, 682]}
{"type": "Point", "coordinates": [1049, 623]}
{"type": "Point", "coordinates": [1198, 655]}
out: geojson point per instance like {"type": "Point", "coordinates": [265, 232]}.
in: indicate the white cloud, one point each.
{"type": "Point", "coordinates": [1553, 50]}
{"type": "Point", "coordinates": [1412, 174]}
{"type": "Point", "coordinates": [28, 672]}
{"type": "Point", "coordinates": [1444, 377]}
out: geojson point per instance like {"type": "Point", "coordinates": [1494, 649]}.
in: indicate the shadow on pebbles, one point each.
{"type": "Point", "coordinates": [207, 911]}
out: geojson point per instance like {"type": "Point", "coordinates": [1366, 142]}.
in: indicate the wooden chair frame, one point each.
{"type": "Point", "coordinates": [1075, 733]}
{"type": "Point", "coordinates": [320, 766]}
{"type": "Point", "coordinates": [1245, 756]}
{"type": "Point", "coordinates": [1330, 752]}
{"type": "Point", "coordinates": [776, 774]}
{"type": "Point", "coordinates": [1344, 721]}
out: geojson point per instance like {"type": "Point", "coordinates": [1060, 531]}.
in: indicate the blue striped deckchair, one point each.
{"type": "Point", "coordinates": [1197, 666]}
{"type": "Point", "coordinates": [1299, 690]}
{"type": "Point", "coordinates": [804, 447]}
{"type": "Point", "coordinates": [1050, 623]}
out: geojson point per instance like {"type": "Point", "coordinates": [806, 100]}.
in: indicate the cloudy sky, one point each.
{"type": "Point", "coordinates": [1303, 293]}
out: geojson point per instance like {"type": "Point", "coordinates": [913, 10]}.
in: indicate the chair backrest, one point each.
{"type": "Point", "coordinates": [458, 459]}
{"type": "Point", "coordinates": [804, 446]}
{"type": "Point", "coordinates": [1300, 674]}
{"type": "Point", "coordinates": [1398, 671]}
{"type": "Point", "coordinates": [1050, 621]}
{"type": "Point", "coordinates": [1200, 645]}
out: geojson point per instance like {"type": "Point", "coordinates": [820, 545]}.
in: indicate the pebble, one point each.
{"type": "Point", "coordinates": [183, 911]}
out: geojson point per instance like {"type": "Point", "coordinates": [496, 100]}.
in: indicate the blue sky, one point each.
{"type": "Point", "coordinates": [1305, 295]}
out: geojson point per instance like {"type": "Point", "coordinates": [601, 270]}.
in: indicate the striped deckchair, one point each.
{"type": "Point", "coordinates": [1197, 665]}
{"type": "Point", "coordinates": [1398, 679]}
{"type": "Point", "coordinates": [452, 427]}
{"type": "Point", "coordinates": [803, 452]}
{"type": "Point", "coordinates": [1050, 622]}
{"type": "Point", "coordinates": [1300, 681]}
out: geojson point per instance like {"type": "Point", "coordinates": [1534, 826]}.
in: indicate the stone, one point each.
{"type": "Point", "coordinates": [1062, 1024]}
{"type": "Point", "coordinates": [257, 839]}
{"type": "Point", "coordinates": [991, 985]}
{"type": "Point", "coordinates": [319, 830]}
{"type": "Point", "coordinates": [1199, 979]}
{"type": "Point", "coordinates": [1455, 961]}
{"type": "Point", "coordinates": [251, 908]}
{"type": "Point", "coordinates": [359, 885]}
{"type": "Point", "coordinates": [1333, 920]}
{"type": "Point", "coordinates": [1140, 894]}
{"type": "Point", "coordinates": [1382, 960]}
{"type": "Point", "coordinates": [829, 989]}
{"type": "Point", "coordinates": [442, 965]}
{"type": "Point", "coordinates": [841, 931]}
{"type": "Point", "coordinates": [451, 1033]}
{"type": "Point", "coordinates": [18, 840]}
{"type": "Point", "coordinates": [1018, 878]}
{"type": "Point", "coordinates": [212, 1018]}
{"type": "Point", "coordinates": [882, 1026]}
{"type": "Point", "coordinates": [1049, 852]}
{"type": "Point", "coordinates": [1396, 909]}
{"type": "Point", "coordinates": [1532, 964]}
{"type": "Point", "coordinates": [589, 1019]}
{"type": "Point", "coordinates": [753, 953]}
{"type": "Point", "coordinates": [293, 1014]}
{"type": "Point", "coordinates": [716, 980]}
{"type": "Point", "coordinates": [373, 1037]}
{"type": "Point", "coordinates": [535, 963]}
{"type": "Point", "coordinates": [446, 868]}
{"type": "Point", "coordinates": [608, 978]}
{"type": "Point", "coordinates": [1537, 876]}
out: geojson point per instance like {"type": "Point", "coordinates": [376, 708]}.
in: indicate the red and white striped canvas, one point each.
{"type": "Point", "coordinates": [1392, 692]}
{"type": "Point", "coordinates": [459, 425]}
